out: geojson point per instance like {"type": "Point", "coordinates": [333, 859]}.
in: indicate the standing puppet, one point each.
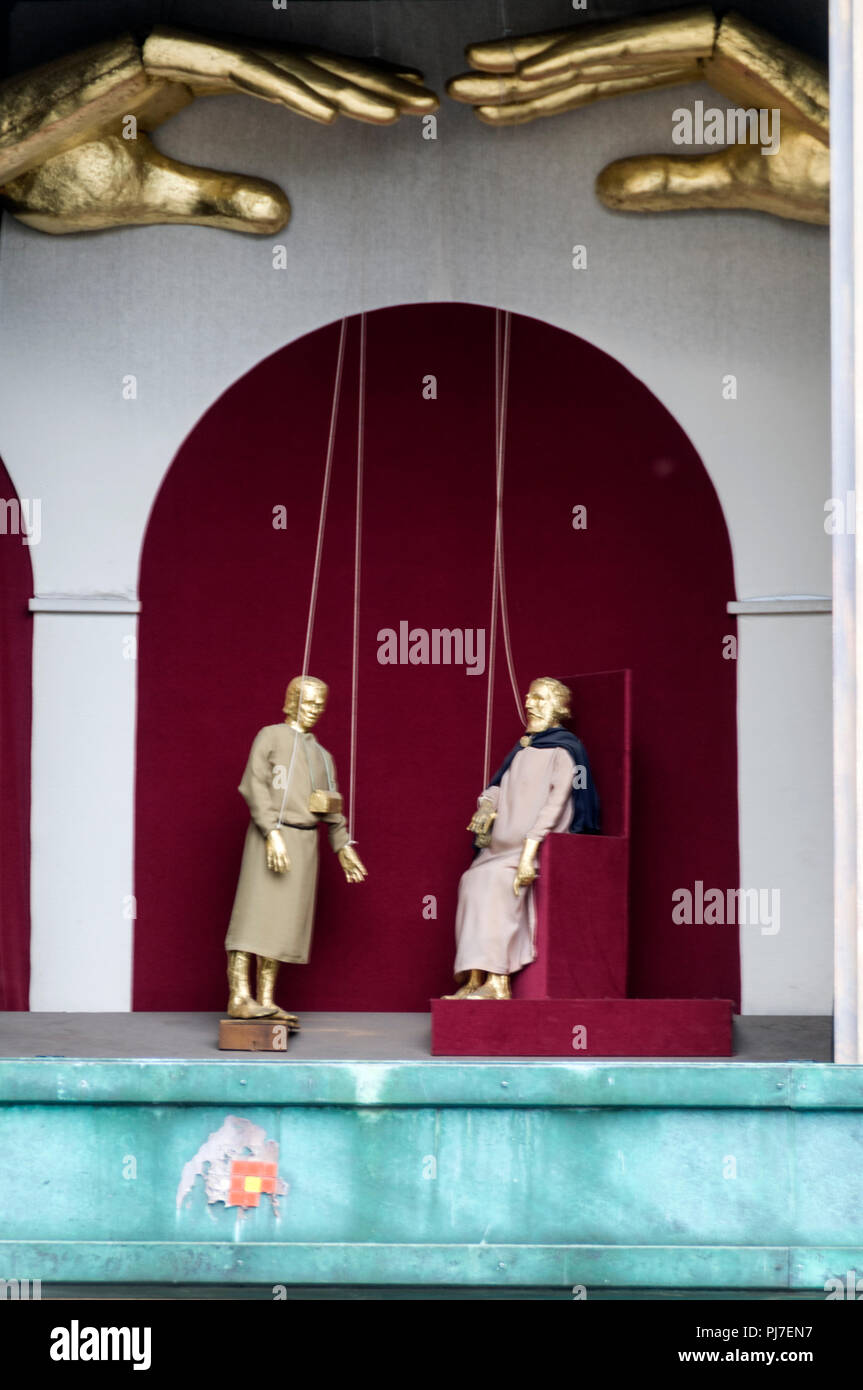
{"type": "Point", "coordinates": [289, 786]}
{"type": "Point", "coordinates": [543, 786]}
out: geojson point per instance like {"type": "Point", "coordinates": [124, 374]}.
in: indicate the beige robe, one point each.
{"type": "Point", "coordinates": [494, 929]}
{"type": "Point", "coordinates": [273, 913]}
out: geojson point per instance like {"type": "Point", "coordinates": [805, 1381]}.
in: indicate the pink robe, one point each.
{"type": "Point", "coordinates": [495, 929]}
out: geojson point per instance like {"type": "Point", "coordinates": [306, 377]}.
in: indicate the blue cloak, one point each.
{"type": "Point", "coordinates": [585, 800]}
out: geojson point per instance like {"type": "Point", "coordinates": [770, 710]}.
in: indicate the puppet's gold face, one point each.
{"type": "Point", "coordinates": [305, 702]}
{"type": "Point", "coordinates": [540, 707]}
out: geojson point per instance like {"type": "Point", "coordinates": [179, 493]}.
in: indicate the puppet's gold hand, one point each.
{"type": "Point", "coordinates": [277, 854]}
{"type": "Point", "coordinates": [482, 819]}
{"type": "Point", "coordinates": [355, 869]}
{"type": "Point", "coordinates": [527, 871]}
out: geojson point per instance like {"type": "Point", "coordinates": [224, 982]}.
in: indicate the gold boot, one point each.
{"type": "Point", "coordinates": [240, 1001]}
{"type": "Point", "coordinates": [473, 981]}
{"type": "Point", "coordinates": [267, 972]}
{"type": "Point", "coordinates": [495, 987]}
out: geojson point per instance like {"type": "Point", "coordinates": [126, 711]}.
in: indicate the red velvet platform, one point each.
{"type": "Point", "coordinates": [608, 1028]}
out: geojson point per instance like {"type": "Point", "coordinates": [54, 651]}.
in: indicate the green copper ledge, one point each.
{"type": "Point", "coordinates": [772, 1085]}
{"type": "Point", "coordinates": [592, 1268]}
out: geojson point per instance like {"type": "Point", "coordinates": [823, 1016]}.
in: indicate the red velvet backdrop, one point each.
{"type": "Point", "coordinates": [16, 641]}
{"type": "Point", "coordinates": [225, 598]}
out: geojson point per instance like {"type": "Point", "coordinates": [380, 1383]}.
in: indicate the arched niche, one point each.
{"type": "Point", "coordinates": [224, 601]}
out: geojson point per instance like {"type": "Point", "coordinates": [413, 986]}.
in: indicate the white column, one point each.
{"type": "Point", "coordinates": [84, 690]}
{"type": "Point", "coordinates": [785, 784]}
{"type": "Point", "coordinates": [846, 100]}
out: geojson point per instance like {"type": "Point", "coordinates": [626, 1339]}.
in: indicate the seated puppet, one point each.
{"type": "Point", "coordinates": [544, 786]}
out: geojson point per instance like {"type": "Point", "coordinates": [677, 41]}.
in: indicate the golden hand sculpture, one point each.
{"type": "Point", "coordinates": [520, 79]}
{"type": "Point", "coordinates": [75, 155]}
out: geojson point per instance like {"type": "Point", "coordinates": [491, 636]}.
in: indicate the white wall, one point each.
{"type": "Point", "coordinates": [384, 217]}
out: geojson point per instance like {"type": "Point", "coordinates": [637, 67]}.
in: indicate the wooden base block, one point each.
{"type": "Point", "coordinates": [253, 1035]}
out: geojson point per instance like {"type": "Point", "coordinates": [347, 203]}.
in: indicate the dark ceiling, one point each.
{"type": "Point", "coordinates": [40, 30]}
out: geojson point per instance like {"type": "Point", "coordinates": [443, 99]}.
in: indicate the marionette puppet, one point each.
{"type": "Point", "coordinates": [544, 786]}
{"type": "Point", "coordinates": [289, 786]}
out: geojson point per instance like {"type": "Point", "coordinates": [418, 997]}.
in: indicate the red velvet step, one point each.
{"type": "Point", "coordinates": [581, 920]}
{"type": "Point", "coordinates": [582, 896]}
{"type": "Point", "coordinates": [581, 1028]}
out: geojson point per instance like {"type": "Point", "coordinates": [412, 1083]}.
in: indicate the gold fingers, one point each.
{"type": "Point", "coordinates": [215, 65]}
{"type": "Point", "coordinates": [505, 55]}
{"type": "Point", "coordinates": [575, 95]}
{"type": "Point", "coordinates": [650, 43]}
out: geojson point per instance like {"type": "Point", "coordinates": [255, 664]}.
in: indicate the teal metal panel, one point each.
{"type": "Point", "coordinates": [414, 1174]}
{"type": "Point", "coordinates": [696, 1175]}
{"type": "Point", "coordinates": [827, 1150]}
{"type": "Point", "coordinates": [571, 1176]}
